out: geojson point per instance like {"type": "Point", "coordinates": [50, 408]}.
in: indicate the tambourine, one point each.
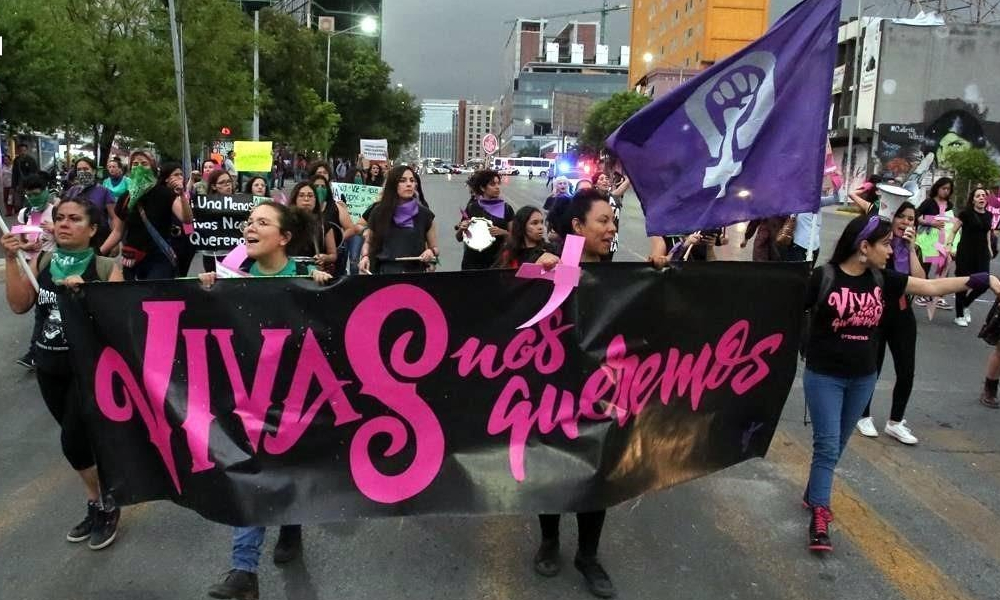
{"type": "Point", "coordinates": [478, 234]}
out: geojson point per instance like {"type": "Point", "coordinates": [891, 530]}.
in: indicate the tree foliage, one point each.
{"type": "Point", "coordinates": [104, 68]}
{"type": "Point", "coordinates": [973, 166]}
{"type": "Point", "coordinates": [606, 116]}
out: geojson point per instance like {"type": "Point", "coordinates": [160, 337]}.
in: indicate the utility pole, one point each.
{"type": "Point", "coordinates": [604, 22]}
{"type": "Point", "coordinates": [256, 76]}
{"type": "Point", "coordinates": [179, 80]}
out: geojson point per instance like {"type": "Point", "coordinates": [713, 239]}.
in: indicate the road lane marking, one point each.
{"type": "Point", "coordinates": [885, 547]}
{"type": "Point", "coordinates": [20, 507]}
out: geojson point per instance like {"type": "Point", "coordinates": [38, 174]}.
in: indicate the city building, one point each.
{"type": "Point", "coordinates": [436, 129]}
{"type": "Point", "coordinates": [691, 33]}
{"type": "Point", "coordinates": [472, 122]}
{"type": "Point", "coordinates": [921, 90]}
{"type": "Point", "coordinates": [537, 67]}
{"type": "Point", "coordinates": [659, 81]}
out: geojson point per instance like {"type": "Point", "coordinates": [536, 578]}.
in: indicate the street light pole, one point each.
{"type": "Point", "coordinates": [328, 36]}
{"type": "Point", "coordinates": [179, 81]}
{"type": "Point", "coordinates": [256, 76]}
{"type": "Point", "coordinates": [854, 99]}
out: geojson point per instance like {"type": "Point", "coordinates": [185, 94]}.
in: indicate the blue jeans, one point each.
{"type": "Point", "coordinates": [246, 547]}
{"type": "Point", "coordinates": [353, 246]}
{"type": "Point", "coordinates": [836, 404]}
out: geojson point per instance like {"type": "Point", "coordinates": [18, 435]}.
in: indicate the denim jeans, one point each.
{"type": "Point", "coordinates": [353, 246]}
{"type": "Point", "coordinates": [836, 404]}
{"type": "Point", "coordinates": [246, 547]}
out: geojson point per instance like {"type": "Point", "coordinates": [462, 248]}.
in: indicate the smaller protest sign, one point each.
{"type": "Point", "coordinates": [219, 220]}
{"type": "Point", "coordinates": [375, 149]}
{"type": "Point", "coordinates": [357, 197]}
{"type": "Point", "coordinates": [252, 157]}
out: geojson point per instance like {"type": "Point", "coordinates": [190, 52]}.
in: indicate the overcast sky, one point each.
{"type": "Point", "coordinates": [453, 48]}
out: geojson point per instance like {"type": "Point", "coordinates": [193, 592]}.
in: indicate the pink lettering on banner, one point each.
{"type": "Point", "coordinates": [362, 335]}
{"type": "Point", "coordinates": [546, 352]}
{"type": "Point", "coordinates": [856, 309]}
{"type": "Point", "coordinates": [161, 347]}
{"type": "Point", "coordinates": [624, 384]}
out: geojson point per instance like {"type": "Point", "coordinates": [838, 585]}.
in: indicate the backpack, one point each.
{"type": "Point", "coordinates": [105, 265]}
{"type": "Point", "coordinates": [825, 287]}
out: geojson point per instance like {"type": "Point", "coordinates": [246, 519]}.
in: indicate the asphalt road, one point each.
{"type": "Point", "coordinates": [914, 523]}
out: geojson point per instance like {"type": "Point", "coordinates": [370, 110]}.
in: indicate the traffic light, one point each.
{"type": "Point", "coordinates": [226, 131]}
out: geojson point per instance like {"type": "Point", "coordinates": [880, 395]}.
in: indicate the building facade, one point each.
{"type": "Point", "coordinates": [437, 138]}
{"type": "Point", "coordinates": [691, 33]}
{"type": "Point", "coordinates": [471, 124]}
{"type": "Point", "coordinates": [921, 89]}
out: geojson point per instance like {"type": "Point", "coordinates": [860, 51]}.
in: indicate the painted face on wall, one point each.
{"type": "Point", "coordinates": [949, 144]}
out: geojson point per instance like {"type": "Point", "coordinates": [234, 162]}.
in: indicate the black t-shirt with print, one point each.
{"type": "Point", "coordinates": [843, 341]}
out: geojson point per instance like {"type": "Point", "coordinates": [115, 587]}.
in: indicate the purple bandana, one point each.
{"type": "Point", "coordinates": [493, 206]}
{"type": "Point", "coordinates": [405, 211]}
{"type": "Point", "coordinates": [901, 255]}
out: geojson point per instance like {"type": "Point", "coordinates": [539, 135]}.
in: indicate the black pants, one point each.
{"type": "Point", "coordinates": [796, 253]}
{"type": "Point", "coordinates": [899, 333]}
{"type": "Point", "coordinates": [54, 372]}
{"type": "Point", "coordinates": [964, 299]}
{"type": "Point", "coordinates": [589, 525]}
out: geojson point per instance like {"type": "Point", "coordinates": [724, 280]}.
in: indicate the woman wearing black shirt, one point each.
{"type": "Point", "coordinates": [848, 298]}
{"type": "Point", "coordinates": [974, 252]}
{"type": "Point", "coordinates": [526, 242]}
{"type": "Point", "coordinates": [898, 330]}
{"type": "Point", "coordinates": [149, 211]}
{"type": "Point", "coordinates": [398, 227]}
{"type": "Point", "coordinates": [485, 203]}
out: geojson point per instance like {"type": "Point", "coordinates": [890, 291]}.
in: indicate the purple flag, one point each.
{"type": "Point", "coordinates": [743, 140]}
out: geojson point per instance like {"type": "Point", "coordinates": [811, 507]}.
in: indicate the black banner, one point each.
{"type": "Point", "coordinates": [266, 401]}
{"type": "Point", "coordinates": [219, 220]}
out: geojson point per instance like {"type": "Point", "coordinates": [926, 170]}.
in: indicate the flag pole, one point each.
{"type": "Point", "coordinates": [22, 260]}
{"type": "Point", "coordinates": [854, 98]}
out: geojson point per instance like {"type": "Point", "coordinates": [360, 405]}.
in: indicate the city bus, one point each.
{"type": "Point", "coordinates": [507, 165]}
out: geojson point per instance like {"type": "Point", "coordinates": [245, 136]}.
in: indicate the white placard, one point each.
{"type": "Point", "coordinates": [626, 56]}
{"type": "Point", "coordinates": [552, 52]}
{"type": "Point", "coordinates": [375, 149]}
{"type": "Point", "coordinates": [576, 54]}
{"type": "Point", "coordinates": [602, 54]}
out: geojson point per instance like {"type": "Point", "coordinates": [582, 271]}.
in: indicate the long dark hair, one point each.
{"type": "Point", "coordinates": [846, 246]}
{"type": "Point", "coordinates": [516, 240]}
{"type": "Point", "coordinates": [165, 170]}
{"type": "Point", "coordinates": [940, 183]}
{"type": "Point", "coordinates": [381, 216]}
{"type": "Point", "coordinates": [298, 224]}
{"type": "Point", "coordinates": [376, 180]}
{"type": "Point", "coordinates": [295, 194]}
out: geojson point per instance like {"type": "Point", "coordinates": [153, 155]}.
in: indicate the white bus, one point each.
{"type": "Point", "coordinates": [506, 165]}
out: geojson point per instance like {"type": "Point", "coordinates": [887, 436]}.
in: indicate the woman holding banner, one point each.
{"type": "Point", "coordinates": [847, 299]}
{"type": "Point", "coordinates": [71, 263]}
{"type": "Point", "coordinates": [591, 217]}
{"type": "Point", "coordinates": [271, 230]}
{"type": "Point", "coordinates": [401, 236]}
{"type": "Point", "coordinates": [219, 182]}
{"type": "Point", "coordinates": [321, 243]}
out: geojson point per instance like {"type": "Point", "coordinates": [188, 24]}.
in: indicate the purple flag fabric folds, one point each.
{"type": "Point", "coordinates": [745, 139]}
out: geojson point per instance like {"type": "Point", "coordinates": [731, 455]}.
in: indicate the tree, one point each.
{"type": "Point", "coordinates": [606, 116]}
{"type": "Point", "coordinates": [972, 166]}
{"type": "Point", "coordinates": [531, 149]}
{"type": "Point", "coordinates": [368, 106]}
{"type": "Point", "coordinates": [292, 70]}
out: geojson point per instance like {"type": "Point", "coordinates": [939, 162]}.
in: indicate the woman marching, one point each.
{"type": "Point", "coordinates": [321, 241]}
{"type": "Point", "coordinates": [592, 217]}
{"type": "Point", "coordinates": [974, 252]}
{"type": "Point", "coordinates": [899, 330]}
{"type": "Point", "coordinates": [935, 217]}
{"type": "Point", "coordinates": [399, 227]}
{"type": "Point", "coordinates": [848, 298]}
{"type": "Point", "coordinates": [270, 231]}
{"type": "Point", "coordinates": [526, 242]}
{"type": "Point", "coordinates": [485, 203]}
{"type": "Point", "coordinates": [71, 263]}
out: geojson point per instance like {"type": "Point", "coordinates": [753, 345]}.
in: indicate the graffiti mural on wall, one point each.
{"type": "Point", "coordinates": [948, 126]}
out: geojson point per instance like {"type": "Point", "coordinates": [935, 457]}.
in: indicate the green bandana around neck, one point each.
{"type": "Point", "coordinates": [38, 201]}
{"type": "Point", "coordinates": [321, 193]}
{"type": "Point", "coordinates": [66, 263]}
{"type": "Point", "coordinates": [141, 180]}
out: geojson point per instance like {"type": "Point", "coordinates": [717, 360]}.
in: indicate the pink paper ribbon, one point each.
{"type": "Point", "coordinates": [236, 257]}
{"type": "Point", "coordinates": [25, 229]}
{"type": "Point", "coordinates": [565, 276]}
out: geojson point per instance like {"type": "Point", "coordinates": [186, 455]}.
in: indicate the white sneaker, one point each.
{"type": "Point", "coordinates": [942, 304]}
{"type": "Point", "coordinates": [867, 427]}
{"type": "Point", "coordinates": [900, 431]}
{"type": "Point", "coordinates": [961, 321]}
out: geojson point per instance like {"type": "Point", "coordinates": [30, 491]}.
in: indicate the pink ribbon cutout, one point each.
{"type": "Point", "coordinates": [25, 230]}
{"type": "Point", "coordinates": [232, 262]}
{"type": "Point", "coordinates": [565, 276]}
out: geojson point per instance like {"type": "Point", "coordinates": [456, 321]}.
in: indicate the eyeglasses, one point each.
{"type": "Point", "coordinates": [258, 223]}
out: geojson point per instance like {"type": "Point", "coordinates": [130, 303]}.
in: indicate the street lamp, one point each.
{"type": "Point", "coordinates": [647, 58]}
{"type": "Point", "coordinates": [368, 26]}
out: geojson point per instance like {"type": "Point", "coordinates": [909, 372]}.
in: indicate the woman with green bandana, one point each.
{"type": "Point", "coordinates": [271, 231]}
{"type": "Point", "coordinates": [321, 243]}
{"type": "Point", "coordinates": [85, 185]}
{"type": "Point", "coordinates": [71, 263]}
{"type": "Point", "coordinates": [335, 215]}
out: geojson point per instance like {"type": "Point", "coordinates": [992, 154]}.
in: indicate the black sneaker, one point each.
{"type": "Point", "coordinates": [105, 529]}
{"type": "Point", "coordinates": [819, 530]}
{"type": "Point", "coordinates": [547, 561]}
{"type": "Point", "coordinates": [289, 546]}
{"type": "Point", "coordinates": [241, 585]}
{"type": "Point", "coordinates": [27, 361]}
{"type": "Point", "coordinates": [82, 530]}
{"type": "Point", "coordinates": [597, 578]}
